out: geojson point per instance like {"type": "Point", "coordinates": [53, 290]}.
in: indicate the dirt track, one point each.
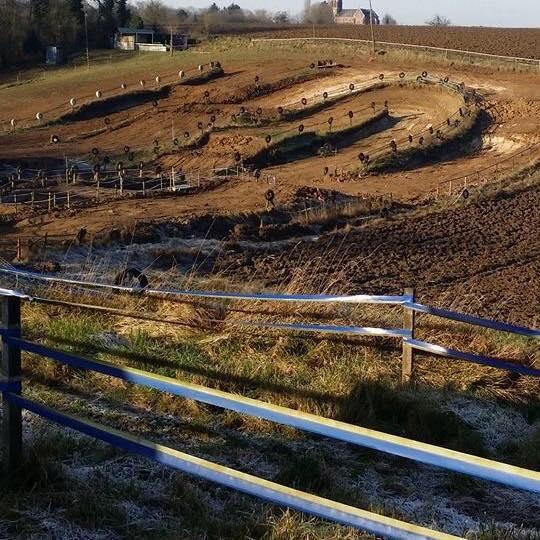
{"type": "Point", "coordinates": [511, 102]}
{"type": "Point", "coordinates": [482, 258]}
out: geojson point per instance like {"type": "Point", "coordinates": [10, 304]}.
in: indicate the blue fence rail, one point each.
{"type": "Point", "coordinates": [14, 402]}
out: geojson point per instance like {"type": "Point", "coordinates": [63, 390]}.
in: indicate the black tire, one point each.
{"type": "Point", "coordinates": [304, 101]}
{"type": "Point", "coordinates": [301, 128]}
{"type": "Point", "coordinates": [176, 142]}
{"type": "Point", "coordinates": [268, 139]}
{"type": "Point", "coordinates": [351, 87]}
{"type": "Point", "coordinates": [126, 149]}
{"type": "Point", "coordinates": [424, 74]}
{"type": "Point", "coordinates": [381, 76]}
{"type": "Point", "coordinates": [155, 103]}
{"type": "Point", "coordinates": [55, 139]}
{"type": "Point", "coordinates": [155, 142]}
{"type": "Point", "coordinates": [95, 151]}
{"type": "Point", "coordinates": [402, 75]}
{"type": "Point", "coordinates": [129, 274]}
{"type": "Point", "coordinates": [270, 195]}
{"type": "Point", "coordinates": [325, 95]}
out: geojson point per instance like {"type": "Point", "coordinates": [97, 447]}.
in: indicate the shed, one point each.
{"type": "Point", "coordinates": [128, 39]}
{"type": "Point", "coordinates": [54, 56]}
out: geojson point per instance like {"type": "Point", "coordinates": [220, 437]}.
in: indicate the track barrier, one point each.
{"type": "Point", "coordinates": [11, 386]}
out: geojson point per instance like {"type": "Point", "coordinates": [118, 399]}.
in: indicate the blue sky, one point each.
{"type": "Point", "coordinates": [520, 13]}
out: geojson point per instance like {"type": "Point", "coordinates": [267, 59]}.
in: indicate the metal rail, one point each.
{"type": "Point", "coordinates": [10, 386]}
{"type": "Point", "coordinates": [399, 446]}
{"type": "Point", "coordinates": [239, 481]}
{"type": "Point", "coordinates": [265, 297]}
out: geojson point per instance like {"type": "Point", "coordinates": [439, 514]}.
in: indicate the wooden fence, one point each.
{"type": "Point", "coordinates": [14, 401]}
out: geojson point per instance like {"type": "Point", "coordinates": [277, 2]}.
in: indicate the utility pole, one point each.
{"type": "Point", "coordinates": [86, 34]}
{"type": "Point", "coordinates": [371, 27]}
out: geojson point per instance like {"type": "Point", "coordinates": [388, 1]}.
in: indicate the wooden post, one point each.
{"type": "Point", "coordinates": [10, 369]}
{"type": "Point", "coordinates": [407, 359]}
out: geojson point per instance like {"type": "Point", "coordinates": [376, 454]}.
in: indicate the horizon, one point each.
{"type": "Point", "coordinates": [482, 13]}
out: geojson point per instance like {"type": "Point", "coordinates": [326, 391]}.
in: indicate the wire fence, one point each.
{"type": "Point", "coordinates": [513, 61]}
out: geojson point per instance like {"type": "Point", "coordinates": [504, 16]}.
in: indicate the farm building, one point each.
{"type": "Point", "coordinates": [143, 39]}
{"type": "Point", "coordinates": [352, 16]}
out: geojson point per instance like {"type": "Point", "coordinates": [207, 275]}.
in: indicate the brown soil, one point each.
{"type": "Point", "coordinates": [482, 258]}
{"type": "Point", "coordinates": [511, 100]}
{"type": "Point", "coordinates": [521, 42]}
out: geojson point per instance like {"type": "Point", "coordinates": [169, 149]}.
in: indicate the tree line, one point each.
{"type": "Point", "coordinates": [27, 27]}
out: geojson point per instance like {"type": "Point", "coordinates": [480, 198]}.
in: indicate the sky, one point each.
{"type": "Point", "coordinates": [511, 13]}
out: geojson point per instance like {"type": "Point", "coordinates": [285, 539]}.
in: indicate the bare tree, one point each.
{"type": "Point", "coordinates": [439, 20]}
{"type": "Point", "coordinates": [319, 14]}
{"type": "Point", "coordinates": [388, 19]}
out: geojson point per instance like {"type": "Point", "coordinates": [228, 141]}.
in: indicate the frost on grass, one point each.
{"type": "Point", "coordinates": [498, 424]}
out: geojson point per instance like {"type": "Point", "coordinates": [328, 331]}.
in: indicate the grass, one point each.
{"type": "Point", "coordinates": [413, 156]}
{"type": "Point", "coordinates": [356, 382]}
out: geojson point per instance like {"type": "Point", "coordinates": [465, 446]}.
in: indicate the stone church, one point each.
{"type": "Point", "coordinates": [351, 16]}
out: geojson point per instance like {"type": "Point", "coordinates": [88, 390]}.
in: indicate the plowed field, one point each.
{"type": "Point", "coordinates": [521, 42]}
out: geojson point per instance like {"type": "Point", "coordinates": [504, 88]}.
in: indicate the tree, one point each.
{"type": "Point", "coordinates": [388, 19]}
{"type": "Point", "coordinates": [439, 20]}
{"type": "Point", "coordinates": [182, 15]}
{"type": "Point", "coordinates": [281, 17]}
{"type": "Point", "coordinates": [319, 14]}
{"type": "Point", "coordinates": [154, 13]}
{"type": "Point", "coordinates": [213, 8]}
{"type": "Point", "coordinates": [77, 9]}
{"type": "Point", "coordinates": [102, 29]}
{"type": "Point", "coordinates": [123, 13]}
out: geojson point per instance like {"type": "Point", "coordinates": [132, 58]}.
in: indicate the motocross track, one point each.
{"type": "Point", "coordinates": [485, 247]}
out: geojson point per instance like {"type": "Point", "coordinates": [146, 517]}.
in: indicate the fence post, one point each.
{"type": "Point", "coordinates": [10, 369]}
{"type": "Point", "coordinates": [407, 359]}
